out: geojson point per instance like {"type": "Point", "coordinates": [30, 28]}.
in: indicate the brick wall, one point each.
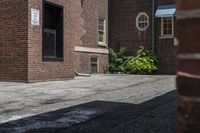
{"type": "Point", "coordinates": [13, 40]}
{"type": "Point", "coordinates": [165, 48]}
{"type": "Point", "coordinates": [123, 31]}
{"type": "Point", "coordinates": [92, 10]}
{"type": "Point", "coordinates": [164, 2]}
{"type": "Point", "coordinates": [84, 65]}
{"type": "Point", "coordinates": [39, 70]}
{"type": "Point", "coordinates": [89, 16]}
{"type": "Point", "coordinates": [166, 51]}
{"type": "Point", "coordinates": [21, 43]}
{"type": "Point", "coordinates": [188, 75]}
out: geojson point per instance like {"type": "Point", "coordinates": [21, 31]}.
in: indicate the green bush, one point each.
{"type": "Point", "coordinates": [118, 60]}
{"type": "Point", "coordinates": [145, 62]}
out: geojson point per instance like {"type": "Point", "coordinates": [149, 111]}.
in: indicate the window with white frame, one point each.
{"type": "Point", "coordinates": [102, 30]}
{"type": "Point", "coordinates": [142, 21]}
{"type": "Point", "coordinates": [167, 26]}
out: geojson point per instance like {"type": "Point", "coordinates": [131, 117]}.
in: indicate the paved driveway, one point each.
{"type": "Point", "coordinates": [138, 96]}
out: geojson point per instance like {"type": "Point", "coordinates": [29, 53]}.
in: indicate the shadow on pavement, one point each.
{"type": "Point", "coordinates": [155, 116]}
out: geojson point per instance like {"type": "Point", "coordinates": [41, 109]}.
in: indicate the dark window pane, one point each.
{"type": "Point", "coordinates": [53, 31]}
{"type": "Point", "coordinates": [101, 36]}
{"type": "Point", "coordinates": [167, 26]}
{"type": "Point", "coordinates": [50, 43]}
{"type": "Point", "coordinates": [170, 25]}
{"type": "Point", "coordinates": [170, 31]}
{"type": "Point", "coordinates": [165, 32]}
{"type": "Point", "coordinates": [94, 60]}
{"type": "Point", "coordinates": [101, 21]}
{"type": "Point", "coordinates": [142, 22]}
{"type": "Point", "coordinates": [94, 65]}
{"type": "Point", "coordinates": [140, 19]}
{"type": "Point", "coordinates": [145, 24]}
{"type": "Point", "coordinates": [101, 27]}
{"type": "Point", "coordinates": [140, 25]}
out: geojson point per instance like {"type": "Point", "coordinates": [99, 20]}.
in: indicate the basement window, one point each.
{"type": "Point", "coordinates": [94, 65]}
{"type": "Point", "coordinates": [52, 32]}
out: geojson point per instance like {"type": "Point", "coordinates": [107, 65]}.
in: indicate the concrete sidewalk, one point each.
{"type": "Point", "coordinates": [19, 100]}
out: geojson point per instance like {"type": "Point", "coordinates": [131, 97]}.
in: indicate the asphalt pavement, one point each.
{"type": "Point", "coordinates": [96, 104]}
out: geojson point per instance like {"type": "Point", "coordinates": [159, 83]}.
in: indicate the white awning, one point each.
{"type": "Point", "coordinates": [166, 11]}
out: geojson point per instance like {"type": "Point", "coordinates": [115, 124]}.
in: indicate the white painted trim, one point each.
{"type": "Point", "coordinates": [98, 65]}
{"type": "Point", "coordinates": [91, 50]}
{"type": "Point", "coordinates": [167, 37]}
{"type": "Point", "coordinates": [137, 21]}
{"type": "Point", "coordinates": [102, 44]}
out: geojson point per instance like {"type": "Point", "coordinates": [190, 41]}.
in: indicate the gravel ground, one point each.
{"type": "Point", "coordinates": [96, 104]}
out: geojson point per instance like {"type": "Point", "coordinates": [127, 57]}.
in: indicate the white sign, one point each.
{"type": "Point", "coordinates": [35, 17]}
{"type": "Point", "coordinates": [176, 42]}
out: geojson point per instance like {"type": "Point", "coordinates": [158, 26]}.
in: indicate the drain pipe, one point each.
{"type": "Point", "coordinates": [153, 26]}
{"type": "Point", "coordinates": [81, 74]}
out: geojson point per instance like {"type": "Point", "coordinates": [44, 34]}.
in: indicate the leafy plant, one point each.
{"type": "Point", "coordinates": [118, 60]}
{"type": "Point", "coordinates": [145, 62]}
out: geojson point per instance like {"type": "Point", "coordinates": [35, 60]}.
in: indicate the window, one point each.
{"type": "Point", "coordinates": [167, 26]}
{"type": "Point", "coordinates": [94, 65]}
{"type": "Point", "coordinates": [52, 32]}
{"type": "Point", "coordinates": [102, 29]}
{"type": "Point", "coordinates": [142, 21]}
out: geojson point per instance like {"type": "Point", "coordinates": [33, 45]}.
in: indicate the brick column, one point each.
{"type": "Point", "coordinates": [188, 75]}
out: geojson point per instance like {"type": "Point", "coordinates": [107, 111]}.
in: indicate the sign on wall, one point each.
{"type": "Point", "coordinates": [176, 42]}
{"type": "Point", "coordinates": [35, 17]}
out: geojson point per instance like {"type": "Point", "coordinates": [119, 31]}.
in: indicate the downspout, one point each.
{"type": "Point", "coordinates": [153, 26]}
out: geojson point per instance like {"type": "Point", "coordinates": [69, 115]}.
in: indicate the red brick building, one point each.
{"type": "Point", "coordinates": [49, 39]}
{"type": "Point", "coordinates": [92, 53]}
{"type": "Point", "coordinates": [150, 23]}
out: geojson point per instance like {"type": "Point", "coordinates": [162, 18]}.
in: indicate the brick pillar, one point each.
{"type": "Point", "coordinates": [188, 75]}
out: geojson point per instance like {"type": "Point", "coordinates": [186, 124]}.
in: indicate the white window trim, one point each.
{"type": "Point", "coordinates": [162, 29]}
{"type": "Point", "coordinates": [105, 33]}
{"type": "Point", "coordinates": [137, 22]}
{"type": "Point", "coordinates": [91, 50]}
{"type": "Point", "coordinates": [98, 65]}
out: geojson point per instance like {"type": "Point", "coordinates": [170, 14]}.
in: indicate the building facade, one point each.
{"type": "Point", "coordinates": [92, 53]}
{"type": "Point", "coordinates": [150, 23]}
{"type": "Point", "coordinates": [52, 39]}
{"type": "Point", "coordinates": [49, 39]}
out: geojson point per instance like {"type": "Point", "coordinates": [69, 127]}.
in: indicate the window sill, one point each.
{"type": "Point", "coordinates": [57, 59]}
{"type": "Point", "coordinates": [102, 44]}
{"type": "Point", "coordinates": [167, 37]}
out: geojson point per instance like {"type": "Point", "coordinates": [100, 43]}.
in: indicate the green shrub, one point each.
{"type": "Point", "coordinates": [118, 60]}
{"type": "Point", "coordinates": [145, 62]}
